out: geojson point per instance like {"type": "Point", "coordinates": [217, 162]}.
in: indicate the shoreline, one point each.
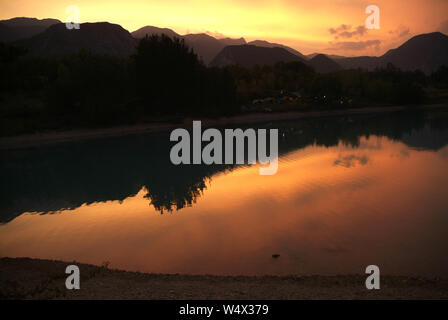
{"type": "Point", "coordinates": [37, 139]}
{"type": "Point", "coordinates": [26, 278]}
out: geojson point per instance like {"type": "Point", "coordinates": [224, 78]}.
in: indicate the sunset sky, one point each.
{"type": "Point", "coordinates": [329, 26]}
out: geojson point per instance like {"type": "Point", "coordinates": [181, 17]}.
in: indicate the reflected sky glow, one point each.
{"type": "Point", "coordinates": [327, 210]}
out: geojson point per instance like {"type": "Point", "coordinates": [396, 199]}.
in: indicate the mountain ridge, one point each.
{"type": "Point", "coordinates": [98, 37]}
{"type": "Point", "coordinates": [23, 27]}
{"type": "Point", "coordinates": [425, 52]}
{"type": "Point", "coordinates": [263, 43]}
{"type": "Point", "coordinates": [323, 64]}
{"type": "Point", "coordinates": [204, 45]}
{"type": "Point", "coordinates": [251, 55]}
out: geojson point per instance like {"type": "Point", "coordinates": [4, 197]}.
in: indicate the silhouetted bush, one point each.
{"type": "Point", "coordinates": [171, 79]}
{"type": "Point", "coordinates": [440, 77]}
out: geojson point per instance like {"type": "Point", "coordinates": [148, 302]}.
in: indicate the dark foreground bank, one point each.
{"type": "Point", "coordinates": [24, 278]}
{"type": "Point", "coordinates": [37, 139]}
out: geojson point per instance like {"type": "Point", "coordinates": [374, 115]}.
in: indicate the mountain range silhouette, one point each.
{"type": "Point", "coordinates": [48, 37]}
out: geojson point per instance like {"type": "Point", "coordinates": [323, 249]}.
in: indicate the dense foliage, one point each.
{"type": "Point", "coordinates": [382, 86]}
{"type": "Point", "coordinates": [166, 79]}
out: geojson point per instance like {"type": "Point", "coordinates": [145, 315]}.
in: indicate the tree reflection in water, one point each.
{"type": "Point", "coordinates": [67, 175]}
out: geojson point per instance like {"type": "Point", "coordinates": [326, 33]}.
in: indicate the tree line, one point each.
{"type": "Point", "coordinates": [165, 78]}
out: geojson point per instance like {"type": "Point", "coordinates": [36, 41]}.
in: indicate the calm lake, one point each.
{"type": "Point", "coordinates": [349, 192]}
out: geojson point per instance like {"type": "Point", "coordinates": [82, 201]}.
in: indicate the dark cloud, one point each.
{"type": "Point", "coordinates": [404, 33]}
{"type": "Point", "coordinates": [341, 28]}
{"type": "Point", "coordinates": [360, 31]}
{"type": "Point", "coordinates": [355, 45]}
{"type": "Point", "coordinates": [346, 31]}
{"type": "Point", "coordinates": [401, 32]}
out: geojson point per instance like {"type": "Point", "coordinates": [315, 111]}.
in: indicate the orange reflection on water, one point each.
{"type": "Point", "coordinates": [327, 210]}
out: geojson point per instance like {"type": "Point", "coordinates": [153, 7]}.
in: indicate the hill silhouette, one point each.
{"type": "Point", "coordinates": [266, 44]}
{"type": "Point", "coordinates": [99, 37]}
{"type": "Point", "coordinates": [425, 52]}
{"type": "Point", "coordinates": [331, 56]}
{"type": "Point", "coordinates": [204, 45]}
{"type": "Point", "coordinates": [47, 37]}
{"type": "Point", "coordinates": [250, 55]}
{"type": "Point", "coordinates": [323, 64]}
{"type": "Point", "coordinates": [233, 42]}
{"type": "Point", "coordinates": [21, 28]}
{"type": "Point", "coordinates": [151, 30]}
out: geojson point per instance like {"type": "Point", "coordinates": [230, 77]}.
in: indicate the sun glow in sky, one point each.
{"type": "Point", "coordinates": [329, 26]}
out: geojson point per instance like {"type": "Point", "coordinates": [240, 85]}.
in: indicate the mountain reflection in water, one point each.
{"type": "Point", "coordinates": [65, 176]}
{"type": "Point", "coordinates": [350, 191]}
